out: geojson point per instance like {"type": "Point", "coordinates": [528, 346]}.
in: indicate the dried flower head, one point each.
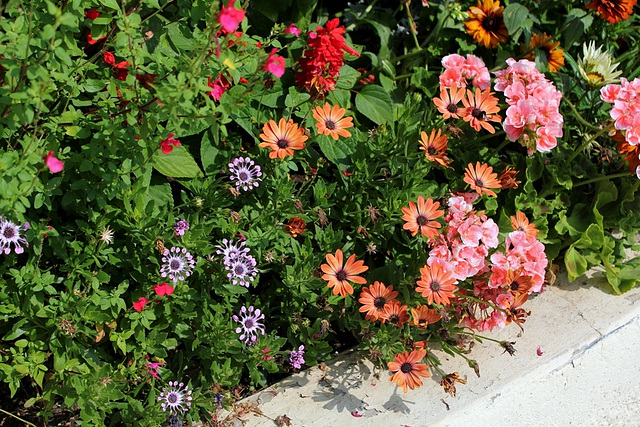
{"type": "Point", "coordinates": [295, 226]}
{"type": "Point", "coordinates": [449, 383]}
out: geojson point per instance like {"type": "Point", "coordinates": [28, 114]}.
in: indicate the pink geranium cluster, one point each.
{"type": "Point", "coordinates": [459, 71]}
{"type": "Point", "coordinates": [533, 116]}
{"type": "Point", "coordinates": [463, 248]}
{"type": "Point", "coordinates": [625, 98]}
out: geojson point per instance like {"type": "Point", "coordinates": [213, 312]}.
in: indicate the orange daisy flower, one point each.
{"type": "Point", "coordinates": [555, 56]}
{"type": "Point", "coordinates": [332, 121]}
{"type": "Point", "coordinates": [423, 316]}
{"type": "Point", "coordinates": [435, 147]}
{"type": "Point", "coordinates": [421, 218]}
{"type": "Point", "coordinates": [521, 222]}
{"type": "Point", "coordinates": [481, 178]}
{"type": "Point", "coordinates": [395, 313]}
{"type": "Point", "coordinates": [480, 108]}
{"type": "Point", "coordinates": [508, 179]}
{"type": "Point", "coordinates": [518, 283]}
{"type": "Point", "coordinates": [448, 102]}
{"type": "Point", "coordinates": [339, 275]}
{"type": "Point", "coordinates": [613, 10]}
{"type": "Point", "coordinates": [436, 284]}
{"type": "Point", "coordinates": [486, 24]}
{"type": "Point", "coordinates": [374, 298]}
{"type": "Point", "coordinates": [631, 153]}
{"type": "Point", "coordinates": [407, 370]}
{"type": "Point", "coordinates": [514, 312]}
{"type": "Point", "coordinates": [282, 138]}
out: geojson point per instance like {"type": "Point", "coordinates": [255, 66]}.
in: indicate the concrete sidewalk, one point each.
{"type": "Point", "coordinates": [588, 374]}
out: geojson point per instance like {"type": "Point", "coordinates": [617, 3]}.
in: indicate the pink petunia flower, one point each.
{"type": "Point", "coordinates": [53, 164]}
{"type": "Point", "coordinates": [230, 17]}
{"type": "Point", "coordinates": [274, 64]}
{"type": "Point", "coordinates": [139, 305]}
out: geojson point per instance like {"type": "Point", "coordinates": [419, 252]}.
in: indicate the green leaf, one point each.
{"type": "Point", "coordinates": [209, 152]}
{"type": "Point", "coordinates": [576, 264]}
{"type": "Point", "coordinates": [336, 151]}
{"type": "Point", "coordinates": [111, 4]}
{"type": "Point", "coordinates": [177, 164]}
{"type": "Point", "coordinates": [178, 39]}
{"type": "Point", "coordinates": [514, 15]}
{"type": "Point", "coordinates": [375, 103]}
{"type": "Point", "coordinates": [576, 23]}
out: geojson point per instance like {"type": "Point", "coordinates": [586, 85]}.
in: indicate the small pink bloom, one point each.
{"type": "Point", "coordinates": [139, 305]}
{"type": "Point", "coordinates": [274, 64]}
{"type": "Point", "coordinates": [539, 351]}
{"type": "Point", "coordinates": [219, 86]}
{"type": "Point", "coordinates": [152, 368]}
{"type": "Point", "coordinates": [230, 17]}
{"type": "Point", "coordinates": [291, 29]}
{"type": "Point", "coordinates": [167, 144]}
{"type": "Point", "coordinates": [53, 164]}
{"type": "Point", "coordinates": [163, 289]}
{"type": "Point", "coordinates": [356, 414]}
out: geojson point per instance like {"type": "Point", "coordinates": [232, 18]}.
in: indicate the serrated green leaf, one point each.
{"type": "Point", "coordinates": [375, 103]}
{"type": "Point", "coordinates": [514, 15]}
{"type": "Point", "coordinates": [337, 152]}
{"type": "Point", "coordinates": [177, 164]}
{"type": "Point", "coordinates": [111, 4]}
{"type": "Point", "coordinates": [576, 264]}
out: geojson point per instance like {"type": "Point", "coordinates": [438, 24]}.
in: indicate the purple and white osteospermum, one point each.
{"type": "Point", "coordinates": [231, 250]}
{"type": "Point", "coordinates": [178, 264]}
{"type": "Point", "coordinates": [296, 359]}
{"type": "Point", "coordinates": [177, 399]}
{"type": "Point", "coordinates": [245, 172]}
{"type": "Point", "coordinates": [180, 227]}
{"type": "Point", "coordinates": [10, 234]}
{"type": "Point", "coordinates": [249, 324]}
{"type": "Point", "coordinates": [242, 270]}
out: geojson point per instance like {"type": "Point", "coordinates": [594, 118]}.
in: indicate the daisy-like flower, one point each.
{"type": "Point", "coordinates": [231, 250]}
{"type": "Point", "coordinates": [480, 108]}
{"type": "Point", "coordinates": [481, 178]}
{"type": "Point", "coordinates": [448, 102]}
{"type": "Point", "coordinates": [106, 235]}
{"type": "Point", "coordinates": [10, 235]}
{"type": "Point", "coordinates": [282, 138]}
{"type": "Point", "coordinates": [332, 121]}
{"type": "Point", "coordinates": [245, 173]}
{"type": "Point", "coordinates": [407, 371]}
{"type": "Point", "coordinates": [180, 227]}
{"type": "Point", "coordinates": [374, 298]}
{"type": "Point", "coordinates": [395, 312]}
{"type": "Point", "coordinates": [242, 270]}
{"type": "Point", "coordinates": [486, 24]}
{"type": "Point", "coordinates": [520, 222]}
{"type": "Point", "coordinates": [177, 398]}
{"type": "Point", "coordinates": [250, 325]}
{"type": "Point", "coordinates": [435, 147]}
{"type": "Point", "coordinates": [436, 284]}
{"type": "Point", "coordinates": [613, 10]}
{"type": "Point", "coordinates": [421, 218]}
{"type": "Point", "coordinates": [595, 66]}
{"type": "Point", "coordinates": [554, 55]}
{"type": "Point", "coordinates": [338, 275]}
{"type": "Point", "coordinates": [178, 264]}
{"type": "Point", "coordinates": [423, 316]}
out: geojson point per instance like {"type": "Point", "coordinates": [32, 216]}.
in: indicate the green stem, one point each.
{"type": "Point", "coordinates": [412, 26]}
{"type": "Point", "coordinates": [499, 147]}
{"type": "Point", "coordinates": [410, 55]}
{"type": "Point", "coordinates": [481, 301]}
{"type": "Point", "coordinates": [18, 418]}
{"type": "Point", "coordinates": [602, 178]}
{"type": "Point", "coordinates": [578, 116]}
{"type": "Point", "coordinates": [589, 141]}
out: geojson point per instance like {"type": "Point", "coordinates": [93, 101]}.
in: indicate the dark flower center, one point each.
{"type": "Point", "coordinates": [379, 302]}
{"type": "Point", "coordinates": [421, 220]}
{"type": "Point", "coordinates": [479, 114]}
{"type": "Point", "coordinates": [479, 183]}
{"type": "Point", "coordinates": [490, 23]}
{"type": "Point", "coordinates": [243, 176]}
{"type": "Point", "coordinates": [514, 286]}
{"type": "Point", "coordinates": [331, 125]}
{"type": "Point", "coordinates": [239, 270]}
{"type": "Point", "coordinates": [175, 264]}
{"type": "Point", "coordinates": [9, 233]}
{"type": "Point", "coordinates": [248, 323]}
{"type": "Point", "coordinates": [282, 143]}
{"type": "Point", "coordinates": [452, 108]}
{"type": "Point", "coordinates": [432, 150]}
{"type": "Point", "coordinates": [172, 398]}
{"type": "Point", "coordinates": [341, 275]}
{"type": "Point", "coordinates": [406, 367]}
{"type": "Point", "coordinates": [394, 319]}
{"type": "Point", "coordinates": [435, 286]}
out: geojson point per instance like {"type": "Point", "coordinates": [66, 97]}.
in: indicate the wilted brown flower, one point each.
{"type": "Point", "coordinates": [374, 213]}
{"type": "Point", "coordinates": [298, 205]}
{"type": "Point", "coordinates": [322, 217]}
{"type": "Point", "coordinates": [234, 192]}
{"type": "Point", "coordinates": [295, 226]}
{"type": "Point", "coordinates": [235, 216]}
{"type": "Point", "coordinates": [449, 383]}
{"type": "Point", "coordinates": [508, 179]}
{"type": "Point", "coordinates": [363, 231]}
{"type": "Point", "coordinates": [509, 347]}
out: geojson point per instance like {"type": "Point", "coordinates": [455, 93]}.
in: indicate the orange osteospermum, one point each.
{"type": "Point", "coordinates": [631, 153]}
{"type": "Point", "coordinates": [282, 138]}
{"type": "Point", "coordinates": [480, 108]}
{"type": "Point", "coordinates": [421, 218]}
{"type": "Point", "coordinates": [435, 147]}
{"type": "Point", "coordinates": [436, 284]}
{"type": "Point", "coordinates": [555, 56]}
{"type": "Point", "coordinates": [613, 10]}
{"type": "Point", "coordinates": [374, 298]}
{"type": "Point", "coordinates": [448, 102]}
{"type": "Point", "coordinates": [423, 316]}
{"type": "Point", "coordinates": [508, 179]}
{"type": "Point", "coordinates": [339, 275]}
{"type": "Point", "coordinates": [407, 370]}
{"type": "Point", "coordinates": [518, 283]}
{"type": "Point", "coordinates": [332, 121]}
{"type": "Point", "coordinates": [481, 178]}
{"type": "Point", "coordinates": [520, 222]}
{"type": "Point", "coordinates": [395, 313]}
{"type": "Point", "coordinates": [486, 24]}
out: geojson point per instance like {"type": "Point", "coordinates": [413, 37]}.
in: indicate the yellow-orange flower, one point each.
{"type": "Point", "coordinates": [521, 223]}
{"type": "Point", "coordinates": [421, 218]}
{"type": "Point", "coordinates": [448, 102]}
{"type": "Point", "coordinates": [481, 178]}
{"type": "Point", "coordinates": [339, 275]}
{"type": "Point", "coordinates": [555, 56]}
{"type": "Point", "coordinates": [486, 24]}
{"type": "Point", "coordinates": [480, 108]}
{"type": "Point", "coordinates": [423, 316]}
{"type": "Point", "coordinates": [332, 121]}
{"type": "Point", "coordinates": [435, 147]}
{"type": "Point", "coordinates": [395, 312]}
{"type": "Point", "coordinates": [407, 370]}
{"type": "Point", "coordinates": [282, 138]}
{"type": "Point", "coordinates": [436, 284]}
{"type": "Point", "coordinates": [374, 298]}
{"type": "Point", "coordinates": [613, 10]}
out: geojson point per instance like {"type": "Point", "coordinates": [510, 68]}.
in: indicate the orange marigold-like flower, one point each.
{"type": "Point", "coordinates": [395, 313]}
{"type": "Point", "coordinates": [421, 218]}
{"type": "Point", "coordinates": [423, 316]}
{"type": "Point", "coordinates": [448, 102]}
{"type": "Point", "coordinates": [295, 226]}
{"type": "Point", "coordinates": [481, 178]}
{"type": "Point", "coordinates": [339, 275]}
{"type": "Point", "coordinates": [282, 138]}
{"type": "Point", "coordinates": [613, 10]}
{"type": "Point", "coordinates": [374, 298]}
{"type": "Point", "coordinates": [407, 371]}
{"type": "Point", "coordinates": [480, 108]}
{"type": "Point", "coordinates": [520, 222]}
{"type": "Point", "coordinates": [436, 284]}
{"type": "Point", "coordinates": [332, 121]}
{"type": "Point", "coordinates": [486, 24]}
{"type": "Point", "coordinates": [435, 147]}
{"type": "Point", "coordinates": [555, 56]}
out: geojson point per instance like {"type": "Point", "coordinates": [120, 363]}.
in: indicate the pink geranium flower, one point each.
{"type": "Point", "coordinates": [274, 64]}
{"type": "Point", "coordinates": [230, 17]}
{"type": "Point", "coordinates": [167, 144]}
{"type": "Point", "coordinates": [291, 29]}
{"type": "Point", "coordinates": [139, 305]}
{"type": "Point", "coordinates": [53, 164]}
{"type": "Point", "coordinates": [163, 289]}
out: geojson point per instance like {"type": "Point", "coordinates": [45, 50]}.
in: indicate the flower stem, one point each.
{"type": "Point", "coordinates": [412, 25]}
{"type": "Point", "coordinates": [589, 141]}
{"type": "Point", "coordinates": [602, 178]}
{"type": "Point", "coordinates": [578, 116]}
{"type": "Point", "coordinates": [17, 417]}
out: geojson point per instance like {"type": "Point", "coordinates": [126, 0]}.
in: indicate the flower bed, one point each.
{"type": "Point", "coordinates": [200, 198]}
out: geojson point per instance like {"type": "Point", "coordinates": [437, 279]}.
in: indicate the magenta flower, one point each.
{"type": "Point", "coordinates": [166, 144]}
{"type": "Point", "coordinates": [242, 270]}
{"type": "Point", "coordinates": [296, 359]}
{"type": "Point", "coordinates": [245, 172]}
{"type": "Point", "coordinates": [230, 17]}
{"type": "Point", "coordinates": [139, 305]}
{"type": "Point", "coordinates": [180, 227]}
{"type": "Point", "coordinates": [291, 29]}
{"type": "Point", "coordinates": [53, 164]}
{"type": "Point", "coordinates": [274, 64]}
{"type": "Point", "coordinates": [152, 369]}
{"type": "Point", "coordinates": [249, 324]}
{"type": "Point", "coordinates": [163, 289]}
{"type": "Point", "coordinates": [10, 235]}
